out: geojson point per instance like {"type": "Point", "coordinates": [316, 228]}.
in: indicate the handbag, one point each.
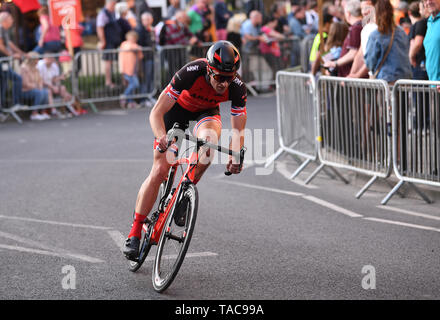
{"type": "Point", "coordinates": [385, 56]}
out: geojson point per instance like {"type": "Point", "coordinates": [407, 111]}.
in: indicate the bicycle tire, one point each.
{"type": "Point", "coordinates": [161, 278]}
{"type": "Point", "coordinates": [146, 244]}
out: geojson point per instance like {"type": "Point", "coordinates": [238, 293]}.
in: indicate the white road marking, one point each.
{"type": "Point", "coordinates": [36, 251]}
{"type": "Point", "coordinates": [411, 213]}
{"type": "Point", "coordinates": [297, 194]}
{"type": "Point", "coordinates": [117, 237]}
{"type": "Point", "coordinates": [188, 255]}
{"type": "Point", "coordinates": [61, 252]}
{"type": "Point", "coordinates": [252, 186]}
{"type": "Point", "coordinates": [333, 207]}
{"type": "Point", "coordinates": [55, 222]}
{"type": "Point", "coordinates": [403, 224]}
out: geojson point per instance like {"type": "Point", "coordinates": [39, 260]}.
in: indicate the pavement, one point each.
{"type": "Point", "coordinates": [67, 195]}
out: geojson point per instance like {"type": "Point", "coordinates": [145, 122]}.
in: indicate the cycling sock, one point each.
{"type": "Point", "coordinates": [136, 229]}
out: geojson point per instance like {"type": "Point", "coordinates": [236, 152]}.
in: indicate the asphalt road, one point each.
{"type": "Point", "coordinates": [67, 193]}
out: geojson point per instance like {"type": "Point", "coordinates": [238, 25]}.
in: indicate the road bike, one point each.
{"type": "Point", "coordinates": [171, 225]}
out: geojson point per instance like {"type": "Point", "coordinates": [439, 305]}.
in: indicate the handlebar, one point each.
{"type": "Point", "coordinates": [175, 133]}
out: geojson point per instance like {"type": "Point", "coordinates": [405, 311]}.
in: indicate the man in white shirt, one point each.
{"type": "Point", "coordinates": [52, 77]}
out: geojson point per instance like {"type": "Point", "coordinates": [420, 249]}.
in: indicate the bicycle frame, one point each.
{"type": "Point", "coordinates": [187, 178]}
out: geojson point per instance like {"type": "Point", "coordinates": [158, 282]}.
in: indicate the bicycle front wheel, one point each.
{"type": "Point", "coordinates": [175, 239]}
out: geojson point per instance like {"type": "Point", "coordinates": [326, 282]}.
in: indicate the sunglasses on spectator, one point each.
{"type": "Point", "coordinates": [221, 78]}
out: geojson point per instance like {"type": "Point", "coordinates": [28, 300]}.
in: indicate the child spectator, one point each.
{"type": "Point", "coordinates": [129, 56]}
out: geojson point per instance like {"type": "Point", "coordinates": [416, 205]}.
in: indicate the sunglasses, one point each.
{"type": "Point", "coordinates": [221, 78]}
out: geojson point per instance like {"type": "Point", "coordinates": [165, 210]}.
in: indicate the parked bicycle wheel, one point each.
{"type": "Point", "coordinates": [175, 239]}
{"type": "Point", "coordinates": [146, 244]}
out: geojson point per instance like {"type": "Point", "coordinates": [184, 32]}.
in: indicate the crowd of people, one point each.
{"type": "Point", "coordinates": [38, 80]}
{"type": "Point", "coordinates": [356, 36]}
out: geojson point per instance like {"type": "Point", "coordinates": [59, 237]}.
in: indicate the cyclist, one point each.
{"type": "Point", "coordinates": [193, 95]}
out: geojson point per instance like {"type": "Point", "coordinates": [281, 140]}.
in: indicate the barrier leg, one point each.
{"type": "Point", "coordinates": [252, 90]}
{"type": "Point", "coordinates": [336, 172]}
{"type": "Point", "coordinates": [93, 107]}
{"type": "Point", "coordinates": [392, 192]}
{"type": "Point", "coordinates": [420, 193]}
{"type": "Point", "coordinates": [313, 175]}
{"type": "Point", "coordinates": [366, 187]}
{"type": "Point", "coordinates": [301, 168]}
{"type": "Point", "coordinates": [16, 117]}
{"type": "Point", "coordinates": [402, 195]}
{"type": "Point", "coordinates": [273, 157]}
{"type": "Point", "coordinates": [71, 108]}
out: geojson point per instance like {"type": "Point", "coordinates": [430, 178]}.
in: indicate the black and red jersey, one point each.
{"type": "Point", "coordinates": [191, 89]}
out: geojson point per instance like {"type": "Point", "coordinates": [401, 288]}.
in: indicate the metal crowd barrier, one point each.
{"type": "Point", "coordinates": [296, 117]}
{"type": "Point", "coordinates": [354, 126]}
{"type": "Point", "coordinates": [259, 70]}
{"type": "Point", "coordinates": [416, 136]}
{"type": "Point", "coordinates": [92, 67]}
{"type": "Point", "coordinates": [306, 48]}
{"type": "Point", "coordinates": [13, 99]}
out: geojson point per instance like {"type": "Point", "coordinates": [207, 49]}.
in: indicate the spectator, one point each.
{"type": "Point", "coordinates": [233, 29]}
{"type": "Point", "coordinates": [146, 40]}
{"type": "Point", "coordinates": [417, 35]}
{"type": "Point", "coordinates": [52, 77]}
{"type": "Point", "coordinates": [50, 38]}
{"type": "Point", "coordinates": [129, 58]}
{"type": "Point", "coordinates": [144, 7]}
{"type": "Point", "coordinates": [270, 48]}
{"type": "Point", "coordinates": [337, 31]}
{"type": "Point", "coordinates": [173, 8]}
{"type": "Point", "coordinates": [432, 40]}
{"type": "Point", "coordinates": [251, 33]}
{"type": "Point", "coordinates": [296, 18]}
{"type": "Point", "coordinates": [312, 17]}
{"type": "Point", "coordinates": [222, 15]}
{"type": "Point", "coordinates": [200, 23]}
{"type": "Point", "coordinates": [252, 5]}
{"type": "Point", "coordinates": [77, 43]}
{"type": "Point", "coordinates": [358, 68]}
{"type": "Point", "coordinates": [33, 92]}
{"type": "Point", "coordinates": [9, 49]}
{"type": "Point", "coordinates": [352, 42]}
{"type": "Point", "coordinates": [121, 12]}
{"type": "Point", "coordinates": [336, 9]}
{"type": "Point", "coordinates": [131, 17]}
{"type": "Point", "coordinates": [401, 16]}
{"type": "Point", "coordinates": [278, 11]}
{"type": "Point", "coordinates": [396, 65]}
{"type": "Point", "coordinates": [176, 31]}
{"type": "Point", "coordinates": [109, 36]}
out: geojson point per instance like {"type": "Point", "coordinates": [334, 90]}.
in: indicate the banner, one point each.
{"type": "Point", "coordinates": [65, 13]}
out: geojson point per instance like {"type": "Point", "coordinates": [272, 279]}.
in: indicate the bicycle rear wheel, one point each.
{"type": "Point", "coordinates": [174, 240]}
{"type": "Point", "coordinates": [146, 244]}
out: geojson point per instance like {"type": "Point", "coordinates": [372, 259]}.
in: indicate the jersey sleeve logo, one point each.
{"type": "Point", "coordinates": [192, 68]}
